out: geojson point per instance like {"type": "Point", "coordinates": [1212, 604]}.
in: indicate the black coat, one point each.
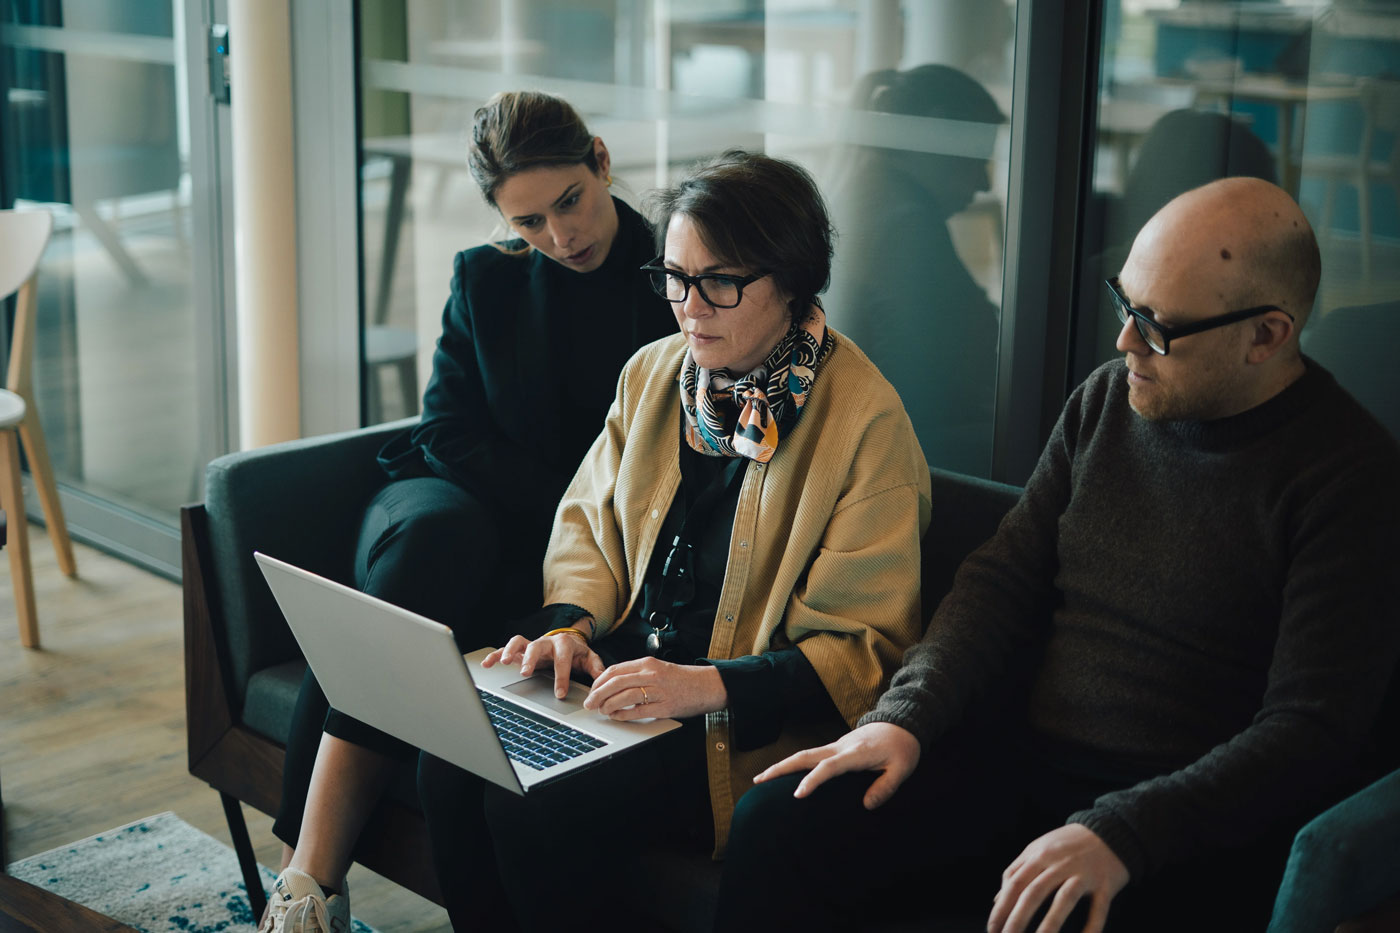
{"type": "Point", "coordinates": [525, 370]}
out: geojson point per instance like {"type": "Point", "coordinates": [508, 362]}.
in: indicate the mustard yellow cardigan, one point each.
{"type": "Point", "coordinates": [824, 553]}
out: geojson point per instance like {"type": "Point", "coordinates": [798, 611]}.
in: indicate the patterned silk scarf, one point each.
{"type": "Point", "coordinates": [745, 417]}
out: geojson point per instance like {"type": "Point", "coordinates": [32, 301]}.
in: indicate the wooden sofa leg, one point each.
{"type": "Point", "coordinates": [247, 862]}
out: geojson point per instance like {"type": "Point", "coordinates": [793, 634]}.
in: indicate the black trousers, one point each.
{"type": "Point", "coordinates": [429, 546]}
{"type": "Point", "coordinates": [936, 850]}
{"type": "Point", "coordinates": [566, 856]}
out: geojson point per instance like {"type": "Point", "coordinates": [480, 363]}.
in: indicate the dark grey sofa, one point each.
{"type": "Point", "coordinates": [301, 502]}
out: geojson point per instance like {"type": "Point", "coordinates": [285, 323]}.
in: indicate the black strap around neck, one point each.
{"type": "Point", "coordinates": [678, 569]}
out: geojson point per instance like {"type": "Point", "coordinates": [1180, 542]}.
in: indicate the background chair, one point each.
{"type": "Point", "coordinates": [1380, 109]}
{"type": "Point", "coordinates": [23, 236]}
{"type": "Point", "coordinates": [394, 349]}
{"type": "Point", "coordinates": [389, 347]}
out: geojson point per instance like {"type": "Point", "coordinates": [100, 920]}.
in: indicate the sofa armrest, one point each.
{"type": "Point", "coordinates": [1344, 862]}
{"type": "Point", "coordinates": [300, 501]}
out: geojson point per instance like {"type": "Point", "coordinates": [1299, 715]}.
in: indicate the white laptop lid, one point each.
{"type": "Point", "coordinates": [403, 673]}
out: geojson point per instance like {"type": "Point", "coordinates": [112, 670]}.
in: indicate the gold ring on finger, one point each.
{"type": "Point", "coordinates": [645, 699]}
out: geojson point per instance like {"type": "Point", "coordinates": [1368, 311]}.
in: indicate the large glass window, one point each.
{"type": "Point", "coordinates": [900, 110]}
{"type": "Point", "coordinates": [1305, 95]}
{"type": "Point", "coordinates": [94, 124]}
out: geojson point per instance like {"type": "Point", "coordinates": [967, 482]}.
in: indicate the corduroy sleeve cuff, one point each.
{"type": "Point", "coordinates": [755, 716]}
{"type": "Point", "coordinates": [1117, 835]}
{"type": "Point", "coordinates": [766, 690]}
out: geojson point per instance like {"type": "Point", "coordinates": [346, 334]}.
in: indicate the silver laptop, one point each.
{"type": "Point", "coordinates": [404, 674]}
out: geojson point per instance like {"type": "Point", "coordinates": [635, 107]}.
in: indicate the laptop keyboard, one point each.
{"type": "Point", "coordinates": [533, 740]}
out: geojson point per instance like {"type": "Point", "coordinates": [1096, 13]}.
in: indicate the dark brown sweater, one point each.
{"type": "Point", "coordinates": [1216, 605]}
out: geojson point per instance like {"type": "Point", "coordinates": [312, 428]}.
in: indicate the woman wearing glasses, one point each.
{"type": "Point", "coordinates": [739, 550]}
{"type": "Point", "coordinates": [533, 335]}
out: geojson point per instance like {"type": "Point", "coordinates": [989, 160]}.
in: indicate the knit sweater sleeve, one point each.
{"type": "Point", "coordinates": [1334, 655]}
{"type": "Point", "coordinates": [998, 610]}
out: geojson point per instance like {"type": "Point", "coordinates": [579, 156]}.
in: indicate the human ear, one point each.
{"type": "Point", "coordinates": [601, 156]}
{"type": "Point", "coordinates": [1269, 334]}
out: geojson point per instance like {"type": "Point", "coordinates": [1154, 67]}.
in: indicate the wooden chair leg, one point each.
{"type": "Point", "coordinates": [37, 450]}
{"type": "Point", "coordinates": [21, 576]}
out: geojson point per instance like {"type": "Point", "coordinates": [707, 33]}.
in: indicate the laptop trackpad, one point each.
{"type": "Point", "coordinates": [541, 690]}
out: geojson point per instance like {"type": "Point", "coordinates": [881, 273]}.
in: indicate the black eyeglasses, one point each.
{"type": "Point", "coordinates": [716, 290]}
{"type": "Point", "coordinates": [1160, 336]}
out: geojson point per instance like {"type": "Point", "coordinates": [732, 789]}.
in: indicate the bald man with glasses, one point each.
{"type": "Point", "coordinates": [1174, 651]}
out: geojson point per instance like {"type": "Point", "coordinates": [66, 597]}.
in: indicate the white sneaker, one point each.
{"type": "Point", "coordinates": [298, 905]}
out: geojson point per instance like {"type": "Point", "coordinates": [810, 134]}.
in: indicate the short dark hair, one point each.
{"type": "Point", "coordinates": [518, 130]}
{"type": "Point", "coordinates": [760, 213]}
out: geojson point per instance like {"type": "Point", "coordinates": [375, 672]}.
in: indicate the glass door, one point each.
{"type": "Point", "coordinates": [902, 110]}
{"type": "Point", "coordinates": [1306, 96]}
{"type": "Point", "coordinates": [107, 123]}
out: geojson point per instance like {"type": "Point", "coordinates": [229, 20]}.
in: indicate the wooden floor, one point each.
{"type": "Point", "coordinates": [92, 726]}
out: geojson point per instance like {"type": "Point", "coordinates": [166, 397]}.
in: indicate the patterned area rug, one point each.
{"type": "Point", "coordinates": [160, 875]}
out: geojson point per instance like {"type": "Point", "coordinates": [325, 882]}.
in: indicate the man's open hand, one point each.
{"type": "Point", "coordinates": [1067, 864]}
{"type": "Point", "coordinates": [875, 746]}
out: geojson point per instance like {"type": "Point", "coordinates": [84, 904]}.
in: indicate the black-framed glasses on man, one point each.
{"type": "Point", "coordinates": [1160, 336]}
{"type": "Point", "coordinates": [716, 290]}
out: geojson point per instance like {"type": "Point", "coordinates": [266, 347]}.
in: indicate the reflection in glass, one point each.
{"type": "Point", "coordinates": [90, 119]}
{"type": "Point", "coordinates": [666, 84]}
{"type": "Point", "coordinates": [899, 287]}
{"type": "Point", "coordinates": [1229, 89]}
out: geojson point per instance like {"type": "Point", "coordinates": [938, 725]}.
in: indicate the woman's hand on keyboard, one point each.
{"type": "Point", "coordinates": [648, 687]}
{"type": "Point", "coordinates": [566, 652]}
